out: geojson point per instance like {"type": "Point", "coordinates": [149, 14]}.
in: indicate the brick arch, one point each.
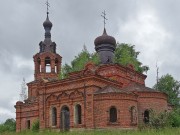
{"type": "Point", "coordinates": [65, 105]}
{"type": "Point", "coordinates": [63, 95]}
{"type": "Point", "coordinates": [76, 94]}
{"type": "Point", "coordinates": [51, 97]}
{"type": "Point", "coordinates": [44, 55]}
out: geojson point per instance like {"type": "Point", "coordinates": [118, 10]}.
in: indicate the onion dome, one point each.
{"type": "Point", "coordinates": [47, 22]}
{"type": "Point", "coordinates": [47, 45]}
{"type": "Point", "coordinates": [105, 39]}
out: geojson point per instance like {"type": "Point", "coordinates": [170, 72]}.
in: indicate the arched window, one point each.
{"type": "Point", "coordinates": [54, 116]}
{"type": "Point", "coordinates": [146, 116]}
{"type": "Point", "coordinates": [133, 115]}
{"type": "Point", "coordinates": [113, 114]}
{"type": "Point", "coordinates": [48, 64]}
{"type": "Point", "coordinates": [77, 114]}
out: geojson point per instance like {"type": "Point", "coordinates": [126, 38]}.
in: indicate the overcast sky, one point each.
{"type": "Point", "coordinates": [153, 26]}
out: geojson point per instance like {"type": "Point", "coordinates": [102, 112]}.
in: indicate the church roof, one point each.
{"type": "Point", "coordinates": [105, 39]}
{"type": "Point", "coordinates": [47, 45]}
{"type": "Point", "coordinates": [47, 23]}
{"type": "Point", "coordinates": [110, 89]}
{"type": "Point", "coordinates": [138, 87]}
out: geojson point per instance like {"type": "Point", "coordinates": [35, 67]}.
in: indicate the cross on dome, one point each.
{"type": "Point", "coordinates": [104, 17]}
{"type": "Point", "coordinates": [48, 5]}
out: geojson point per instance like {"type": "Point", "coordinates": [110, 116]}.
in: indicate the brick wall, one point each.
{"type": "Point", "coordinates": [122, 102]}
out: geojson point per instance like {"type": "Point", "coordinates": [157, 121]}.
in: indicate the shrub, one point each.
{"type": "Point", "coordinates": [175, 117]}
{"type": "Point", "coordinates": [9, 125]}
{"type": "Point", "coordinates": [3, 128]}
{"type": "Point", "coordinates": [164, 119]}
{"type": "Point", "coordinates": [35, 126]}
{"type": "Point", "coordinates": [159, 120]}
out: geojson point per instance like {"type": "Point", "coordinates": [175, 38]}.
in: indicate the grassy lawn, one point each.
{"type": "Point", "coordinates": [168, 131]}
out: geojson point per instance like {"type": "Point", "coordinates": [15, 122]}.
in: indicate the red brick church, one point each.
{"type": "Point", "coordinates": [105, 96]}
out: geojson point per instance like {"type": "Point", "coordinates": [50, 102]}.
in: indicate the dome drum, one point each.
{"type": "Point", "coordinates": [105, 47]}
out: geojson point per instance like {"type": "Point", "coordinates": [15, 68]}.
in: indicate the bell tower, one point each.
{"type": "Point", "coordinates": [47, 62]}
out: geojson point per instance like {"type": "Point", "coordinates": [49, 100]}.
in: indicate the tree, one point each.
{"type": "Point", "coordinates": [79, 62]}
{"type": "Point", "coordinates": [175, 117]}
{"type": "Point", "coordinates": [23, 95]}
{"type": "Point", "coordinates": [125, 54]}
{"type": "Point", "coordinates": [8, 125]}
{"type": "Point", "coordinates": [171, 87]}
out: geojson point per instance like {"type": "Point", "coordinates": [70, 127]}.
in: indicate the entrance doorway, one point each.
{"type": "Point", "coordinates": [65, 119]}
{"type": "Point", "coordinates": [146, 116]}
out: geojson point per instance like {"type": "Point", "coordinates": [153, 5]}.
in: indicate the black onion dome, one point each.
{"type": "Point", "coordinates": [47, 23]}
{"type": "Point", "coordinates": [105, 39]}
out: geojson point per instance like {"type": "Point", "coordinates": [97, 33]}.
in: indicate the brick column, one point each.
{"type": "Point", "coordinates": [43, 67]}
{"type": "Point", "coordinates": [41, 109]}
{"type": "Point", "coordinates": [59, 66]}
{"type": "Point", "coordinates": [52, 65]}
{"type": "Point", "coordinates": [89, 116]}
{"type": "Point", "coordinates": [18, 115]}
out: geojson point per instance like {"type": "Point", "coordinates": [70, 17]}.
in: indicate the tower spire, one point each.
{"type": "Point", "coordinates": [47, 45]}
{"type": "Point", "coordinates": [47, 23]}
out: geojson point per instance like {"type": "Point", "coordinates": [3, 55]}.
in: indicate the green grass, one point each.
{"type": "Point", "coordinates": [168, 131]}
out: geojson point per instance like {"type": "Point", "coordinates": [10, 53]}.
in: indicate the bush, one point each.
{"type": "Point", "coordinates": [159, 120]}
{"type": "Point", "coordinates": [175, 117]}
{"type": "Point", "coordinates": [8, 126]}
{"type": "Point", "coordinates": [3, 128]}
{"type": "Point", "coordinates": [35, 126]}
{"type": "Point", "coordinates": [164, 119]}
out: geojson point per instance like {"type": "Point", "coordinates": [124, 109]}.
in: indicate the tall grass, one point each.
{"type": "Point", "coordinates": [167, 131]}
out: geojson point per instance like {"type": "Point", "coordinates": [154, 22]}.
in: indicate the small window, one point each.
{"type": "Point", "coordinates": [113, 114]}
{"type": "Point", "coordinates": [28, 124]}
{"type": "Point", "coordinates": [54, 116]}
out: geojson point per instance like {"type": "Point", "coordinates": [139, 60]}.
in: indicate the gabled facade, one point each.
{"type": "Point", "coordinates": [105, 96]}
